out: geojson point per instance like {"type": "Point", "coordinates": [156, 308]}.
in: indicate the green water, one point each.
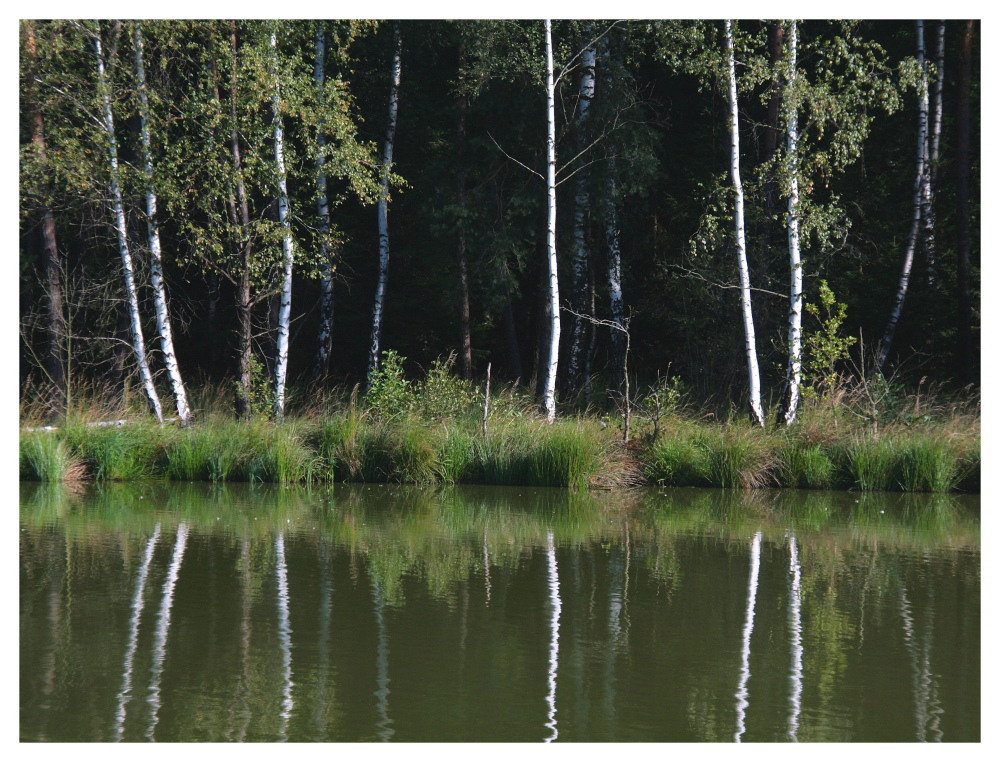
{"type": "Point", "coordinates": [175, 612]}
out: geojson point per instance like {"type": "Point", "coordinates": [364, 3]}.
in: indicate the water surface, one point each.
{"type": "Point", "coordinates": [175, 612]}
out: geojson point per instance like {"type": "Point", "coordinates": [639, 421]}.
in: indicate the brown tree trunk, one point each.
{"type": "Point", "coordinates": [55, 326]}
{"type": "Point", "coordinates": [465, 318]}
{"type": "Point", "coordinates": [965, 346]}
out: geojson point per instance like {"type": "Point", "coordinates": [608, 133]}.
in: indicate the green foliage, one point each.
{"type": "Point", "coordinates": [663, 399]}
{"type": "Point", "coordinates": [825, 348]}
{"type": "Point", "coordinates": [443, 395]}
{"type": "Point", "coordinates": [258, 393]}
{"type": "Point", "coordinates": [389, 394]}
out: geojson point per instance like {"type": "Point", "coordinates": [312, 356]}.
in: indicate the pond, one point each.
{"type": "Point", "coordinates": [192, 612]}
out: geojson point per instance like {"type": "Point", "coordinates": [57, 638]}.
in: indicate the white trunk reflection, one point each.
{"type": "Point", "coordinates": [927, 705]}
{"type": "Point", "coordinates": [163, 628]}
{"type": "Point", "coordinates": [556, 605]}
{"type": "Point", "coordinates": [384, 724]}
{"type": "Point", "coordinates": [133, 636]}
{"type": "Point", "coordinates": [284, 637]}
{"type": "Point", "coordinates": [741, 692]}
{"type": "Point", "coordinates": [795, 636]}
{"type": "Point", "coordinates": [486, 566]}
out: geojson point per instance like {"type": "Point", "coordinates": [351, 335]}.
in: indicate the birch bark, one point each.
{"type": "Point", "coordinates": [550, 178]}
{"type": "Point", "coordinates": [131, 293]}
{"type": "Point", "coordinates": [383, 205]}
{"type": "Point", "coordinates": [288, 246]}
{"type": "Point", "coordinates": [163, 325]}
{"type": "Point", "coordinates": [581, 253]}
{"type": "Point", "coordinates": [933, 139]}
{"type": "Point", "coordinates": [324, 340]}
{"type": "Point", "coordinates": [794, 374]}
{"type": "Point", "coordinates": [885, 346]}
{"type": "Point", "coordinates": [741, 248]}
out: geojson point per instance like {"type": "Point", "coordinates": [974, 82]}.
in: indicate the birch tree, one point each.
{"type": "Point", "coordinates": [287, 244]}
{"type": "Point", "coordinates": [383, 204]}
{"type": "Point", "coordinates": [118, 211]}
{"type": "Point", "coordinates": [552, 365]}
{"type": "Point", "coordinates": [885, 346]}
{"type": "Point", "coordinates": [741, 248]}
{"type": "Point", "coordinates": [794, 373]}
{"type": "Point", "coordinates": [928, 212]}
{"type": "Point", "coordinates": [163, 325]}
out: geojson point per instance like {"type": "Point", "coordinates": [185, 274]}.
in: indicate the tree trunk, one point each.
{"type": "Point", "coordinates": [885, 346]}
{"type": "Point", "coordinates": [55, 325]}
{"type": "Point", "coordinates": [131, 293]}
{"type": "Point", "coordinates": [465, 317]}
{"type": "Point", "coordinates": [612, 237]}
{"type": "Point", "coordinates": [793, 378]}
{"type": "Point", "coordinates": [383, 205]}
{"type": "Point", "coordinates": [965, 348]}
{"type": "Point", "coordinates": [933, 139]}
{"type": "Point", "coordinates": [244, 302]}
{"type": "Point", "coordinates": [581, 254]}
{"type": "Point", "coordinates": [163, 325]}
{"type": "Point", "coordinates": [288, 246]}
{"type": "Point", "coordinates": [741, 247]}
{"type": "Point", "coordinates": [553, 292]}
{"type": "Point", "coordinates": [324, 341]}
{"type": "Point", "coordinates": [513, 347]}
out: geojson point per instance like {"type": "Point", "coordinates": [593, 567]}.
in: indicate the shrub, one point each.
{"type": "Point", "coordinates": [443, 395]}
{"type": "Point", "coordinates": [389, 393]}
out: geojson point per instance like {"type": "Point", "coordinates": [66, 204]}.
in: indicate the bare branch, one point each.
{"type": "Point", "coordinates": [698, 276]}
{"type": "Point", "coordinates": [538, 175]}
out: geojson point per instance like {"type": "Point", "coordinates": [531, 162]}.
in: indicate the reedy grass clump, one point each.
{"type": "Point", "coordinates": [45, 457]}
{"type": "Point", "coordinates": [119, 453]}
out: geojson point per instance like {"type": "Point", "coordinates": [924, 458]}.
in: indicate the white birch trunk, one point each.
{"type": "Point", "coordinates": [552, 365]}
{"type": "Point", "coordinates": [383, 206]}
{"type": "Point", "coordinates": [324, 340]}
{"type": "Point", "coordinates": [132, 296]}
{"type": "Point", "coordinates": [288, 246]}
{"type": "Point", "coordinates": [928, 213]}
{"type": "Point", "coordinates": [741, 246]}
{"type": "Point", "coordinates": [163, 325]}
{"type": "Point", "coordinates": [885, 346]}
{"type": "Point", "coordinates": [794, 377]}
{"type": "Point", "coordinates": [581, 254]}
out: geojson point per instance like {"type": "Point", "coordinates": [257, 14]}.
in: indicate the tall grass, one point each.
{"type": "Point", "coordinates": [45, 457]}
{"type": "Point", "coordinates": [923, 446]}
